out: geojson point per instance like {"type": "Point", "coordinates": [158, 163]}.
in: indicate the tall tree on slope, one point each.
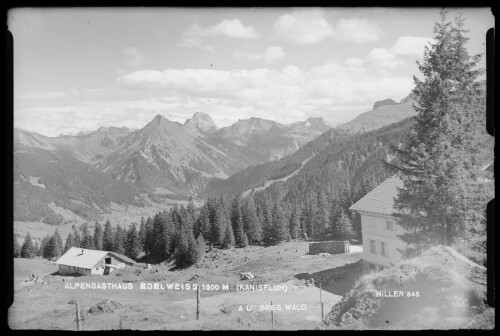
{"type": "Point", "coordinates": [441, 160]}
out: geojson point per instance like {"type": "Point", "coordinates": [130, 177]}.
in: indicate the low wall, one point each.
{"type": "Point", "coordinates": [332, 247]}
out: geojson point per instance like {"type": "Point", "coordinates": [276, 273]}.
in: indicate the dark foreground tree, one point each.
{"type": "Point", "coordinates": [441, 162]}
{"type": "Point", "coordinates": [28, 249]}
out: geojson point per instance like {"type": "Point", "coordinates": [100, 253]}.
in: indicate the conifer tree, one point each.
{"type": "Point", "coordinates": [280, 228]}
{"type": "Point", "coordinates": [107, 237]}
{"type": "Point", "coordinates": [132, 243]}
{"type": "Point", "coordinates": [70, 242]}
{"type": "Point", "coordinates": [87, 240]}
{"type": "Point", "coordinates": [440, 163]}
{"type": "Point", "coordinates": [58, 239]}
{"type": "Point", "coordinates": [251, 223]}
{"type": "Point", "coordinates": [118, 245]}
{"type": "Point", "coordinates": [28, 249]}
{"type": "Point", "coordinates": [345, 230]}
{"type": "Point", "coordinates": [98, 236]}
{"type": "Point", "coordinates": [228, 241]}
{"type": "Point", "coordinates": [294, 223]}
{"type": "Point", "coordinates": [76, 234]}
{"type": "Point", "coordinates": [52, 248]}
{"type": "Point", "coordinates": [17, 248]}
{"type": "Point", "coordinates": [43, 246]}
{"type": "Point", "coordinates": [203, 223]}
{"type": "Point", "coordinates": [142, 233]}
{"type": "Point", "coordinates": [149, 237]}
{"type": "Point", "coordinates": [219, 226]}
{"type": "Point", "coordinates": [237, 222]}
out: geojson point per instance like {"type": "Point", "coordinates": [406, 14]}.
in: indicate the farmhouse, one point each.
{"type": "Point", "coordinates": [379, 228]}
{"type": "Point", "coordinates": [85, 262]}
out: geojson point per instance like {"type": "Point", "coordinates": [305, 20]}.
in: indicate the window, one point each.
{"type": "Point", "coordinates": [384, 249]}
{"type": "Point", "coordinates": [373, 247]}
{"type": "Point", "coordinates": [389, 225]}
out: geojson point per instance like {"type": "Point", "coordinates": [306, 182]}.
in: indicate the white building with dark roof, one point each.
{"type": "Point", "coordinates": [85, 262]}
{"type": "Point", "coordinates": [379, 228]}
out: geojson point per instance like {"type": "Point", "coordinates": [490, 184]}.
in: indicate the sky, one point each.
{"type": "Point", "coordinates": [77, 69]}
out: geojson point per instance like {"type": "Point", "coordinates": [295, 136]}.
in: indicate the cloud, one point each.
{"type": "Point", "coordinates": [197, 36]}
{"type": "Point", "coordinates": [303, 27]}
{"type": "Point", "coordinates": [410, 45]}
{"type": "Point", "coordinates": [357, 31]}
{"type": "Point", "coordinates": [133, 56]}
{"type": "Point", "coordinates": [270, 55]}
{"type": "Point", "coordinates": [383, 58]}
{"type": "Point", "coordinates": [263, 87]}
{"type": "Point", "coordinates": [306, 27]}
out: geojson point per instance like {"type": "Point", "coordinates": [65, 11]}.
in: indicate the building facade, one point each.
{"type": "Point", "coordinates": [86, 262]}
{"type": "Point", "coordinates": [379, 228]}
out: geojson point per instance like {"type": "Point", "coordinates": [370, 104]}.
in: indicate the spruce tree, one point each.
{"type": "Point", "coordinates": [345, 230]}
{"type": "Point", "coordinates": [149, 237]}
{"type": "Point", "coordinates": [52, 248]}
{"type": "Point", "coordinates": [86, 237]}
{"type": "Point", "coordinates": [58, 239]}
{"type": "Point", "coordinates": [132, 243]}
{"type": "Point", "coordinates": [98, 236]}
{"type": "Point", "coordinates": [279, 226]}
{"type": "Point", "coordinates": [70, 242]}
{"type": "Point", "coordinates": [294, 223]}
{"type": "Point", "coordinates": [118, 245]}
{"type": "Point", "coordinates": [228, 241]}
{"type": "Point", "coordinates": [237, 222]}
{"type": "Point", "coordinates": [43, 247]}
{"type": "Point", "coordinates": [76, 234]}
{"type": "Point", "coordinates": [251, 223]}
{"type": "Point", "coordinates": [142, 233]}
{"type": "Point", "coordinates": [17, 248]}
{"type": "Point", "coordinates": [440, 163]}
{"type": "Point", "coordinates": [27, 249]}
{"type": "Point", "coordinates": [107, 237]}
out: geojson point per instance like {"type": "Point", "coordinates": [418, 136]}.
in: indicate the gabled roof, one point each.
{"type": "Point", "coordinates": [87, 259]}
{"type": "Point", "coordinates": [381, 199]}
{"type": "Point", "coordinates": [123, 257]}
{"type": "Point", "coordinates": [80, 257]}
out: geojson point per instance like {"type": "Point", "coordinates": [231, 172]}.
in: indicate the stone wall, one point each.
{"type": "Point", "coordinates": [332, 247]}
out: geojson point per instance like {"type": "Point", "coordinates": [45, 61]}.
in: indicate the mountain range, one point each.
{"type": "Point", "coordinates": [167, 158]}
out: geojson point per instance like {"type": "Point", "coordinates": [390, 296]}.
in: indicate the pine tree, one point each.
{"type": "Point", "coordinates": [17, 248]}
{"type": "Point", "coordinates": [132, 243]}
{"type": "Point", "coordinates": [440, 163]}
{"type": "Point", "coordinates": [118, 245]}
{"type": "Point", "coordinates": [76, 234]}
{"type": "Point", "coordinates": [59, 240]}
{"type": "Point", "coordinates": [280, 228]}
{"type": "Point", "coordinates": [321, 215]}
{"type": "Point", "coordinates": [43, 247]}
{"type": "Point", "coordinates": [149, 237]}
{"type": "Point", "coordinates": [294, 223]}
{"type": "Point", "coordinates": [203, 223]}
{"type": "Point", "coordinates": [345, 230]}
{"type": "Point", "coordinates": [107, 237]}
{"type": "Point", "coordinates": [70, 242]}
{"type": "Point", "coordinates": [251, 223]}
{"type": "Point", "coordinates": [98, 236]}
{"type": "Point", "coordinates": [228, 237]}
{"type": "Point", "coordinates": [87, 240]}
{"type": "Point", "coordinates": [27, 249]}
{"type": "Point", "coordinates": [142, 232]}
{"type": "Point", "coordinates": [52, 248]}
{"type": "Point", "coordinates": [237, 222]}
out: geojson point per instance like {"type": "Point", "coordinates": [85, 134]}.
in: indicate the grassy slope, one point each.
{"type": "Point", "coordinates": [46, 306]}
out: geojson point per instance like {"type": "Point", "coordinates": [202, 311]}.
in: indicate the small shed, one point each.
{"type": "Point", "coordinates": [85, 262]}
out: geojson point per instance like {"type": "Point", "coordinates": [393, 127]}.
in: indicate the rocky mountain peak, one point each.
{"type": "Point", "coordinates": [202, 122]}
{"type": "Point", "coordinates": [384, 102]}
